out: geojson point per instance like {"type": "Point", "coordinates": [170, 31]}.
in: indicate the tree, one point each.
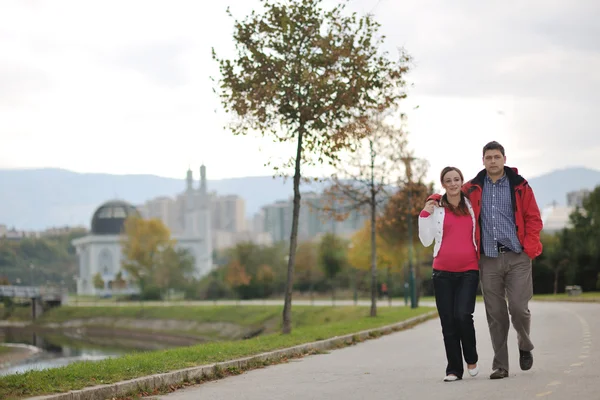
{"type": "Point", "coordinates": [582, 242]}
{"type": "Point", "coordinates": [306, 268]}
{"type": "Point", "coordinates": [253, 257]}
{"type": "Point", "coordinates": [54, 258]}
{"type": "Point", "coordinates": [142, 245]}
{"type": "Point", "coordinates": [557, 253]}
{"type": "Point", "coordinates": [98, 281]}
{"type": "Point", "coordinates": [363, 182]}
{"type": "Point", "coordinates": [399, 221]}
{"type": "Point", "coordinates": [332, 257]}
{"type": "Point", "coordinates": [265, 277]}
{"type": "Point", "coordinates": [406, 203]}
{"type": "Point", "coordinates": [237, 277]}
{"type": "Point", "coordinates": [388, 254]}
{"type": "Point", "coordinates": [174, 268]}
{"type": "Point", "coordinates": [309, 76]}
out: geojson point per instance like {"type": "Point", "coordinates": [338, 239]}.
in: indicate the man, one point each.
{"type": "Point", "coordinates": [508, 239]}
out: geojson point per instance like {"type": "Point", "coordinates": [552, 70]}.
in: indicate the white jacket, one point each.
{"type": "Point", "coordinates": [432, 227]}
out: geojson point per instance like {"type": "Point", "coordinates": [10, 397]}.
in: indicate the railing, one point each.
{"type": "Point", "coordinates": [33, 292]}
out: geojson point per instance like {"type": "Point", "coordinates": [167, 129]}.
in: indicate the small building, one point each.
{"type": "Point", "coordinates": [100, 251]}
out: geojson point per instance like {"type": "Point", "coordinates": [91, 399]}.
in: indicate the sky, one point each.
{"type": "Point", "coordinates": [125, 87]}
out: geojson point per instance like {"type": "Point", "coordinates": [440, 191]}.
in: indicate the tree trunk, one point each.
{"type": "Point", "coordinates": [373, 238]}
{"type": "Point", "coordinates": [389, 285]}
{"type": "Point", "coordinates": [310, 288]}
{"type": "Point", "coordinates": [332, 292]}
{"type": "Point", "coordinates": [556, 280]}
{"type": "Point", "coordinates": [287, 305]}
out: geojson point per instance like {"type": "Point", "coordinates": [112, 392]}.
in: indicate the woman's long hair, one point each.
{"type": "Point", "coordinates": [462, 208]}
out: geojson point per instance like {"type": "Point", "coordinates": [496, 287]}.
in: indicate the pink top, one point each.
{"type": "Point", "coordinates": [457, 252]}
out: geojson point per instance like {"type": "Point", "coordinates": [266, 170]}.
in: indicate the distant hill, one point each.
{"type": "Point", "coordinates": [555, 185]}
{"type": "Point", "coordinates": [41, 198]}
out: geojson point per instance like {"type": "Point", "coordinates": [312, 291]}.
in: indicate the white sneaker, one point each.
{"type": "Point", "coordinates": [450, 378]}
{"type": "Point", "coordinates": [474, 371]}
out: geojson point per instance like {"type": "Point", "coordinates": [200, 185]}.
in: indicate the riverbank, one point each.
{"type": "Point", "coordinates": [11, 354]}
{"type": "Point", "coordinates": [310, 324]}
{"type": "Point", "coordinates": [188, 325]}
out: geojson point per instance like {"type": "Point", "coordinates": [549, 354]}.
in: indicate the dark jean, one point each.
{"type": "Point", "coordinates": [455, 294]}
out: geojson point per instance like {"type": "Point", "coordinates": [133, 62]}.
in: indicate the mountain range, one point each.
{"type": "Point", "coordinates": [36, 199]}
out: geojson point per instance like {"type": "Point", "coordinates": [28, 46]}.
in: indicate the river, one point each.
{"type": "Point", "coordinates": [56, 349]}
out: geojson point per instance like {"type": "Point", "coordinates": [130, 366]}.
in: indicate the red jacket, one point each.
{"type": "Point", "coordinates": [527, 214]}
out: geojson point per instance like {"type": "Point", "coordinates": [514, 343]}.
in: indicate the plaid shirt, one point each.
{"type": "Point", "coordinates": [497, 218]}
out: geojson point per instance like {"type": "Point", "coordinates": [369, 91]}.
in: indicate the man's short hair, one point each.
{"type": "Point", "coordinates": [493, 146]}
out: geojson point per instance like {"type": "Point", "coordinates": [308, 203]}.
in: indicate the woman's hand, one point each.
{"type": "Point", "coordinates": [429, 206]}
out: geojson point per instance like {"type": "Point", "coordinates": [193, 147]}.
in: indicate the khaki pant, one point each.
{"type": "Point", "coordinates": [507, 277]}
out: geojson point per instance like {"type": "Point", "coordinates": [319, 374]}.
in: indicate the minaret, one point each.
{"type": "Point", "coordinates": [204, 225]}
{"type": "Point", "coordinates": [189, 219]}
{"type": "Point", "coordinates": [189, 180]}
{"type": "Point", "coordinates": [203, 179]}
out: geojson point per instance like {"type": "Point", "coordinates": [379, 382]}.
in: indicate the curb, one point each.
{"type": "Point", "coordinates": [152, 382]}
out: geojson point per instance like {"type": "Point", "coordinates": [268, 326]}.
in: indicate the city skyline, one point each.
{"type": "Point", "coordinates": [524, 75]}
{"type": "Point", "coordinates": [72, 197]}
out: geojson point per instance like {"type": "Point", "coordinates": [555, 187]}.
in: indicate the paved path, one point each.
{"type": "Point", "coordinates": [411, 364]}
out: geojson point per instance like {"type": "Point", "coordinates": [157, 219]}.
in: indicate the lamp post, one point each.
{"type": "Point", "coordinates": [354, 278]}
{"type": "Point", "coordinates": [411, 267]}
{"type": "Point", "coordinates": [413, 290]}
{"type": "Point", "coordinates": [76, 279]}
{"type": "Point", "coordinates": [32, 267]}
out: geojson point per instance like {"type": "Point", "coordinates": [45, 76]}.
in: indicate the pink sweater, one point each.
{"type": "Point", "coordinates": [457, 253]}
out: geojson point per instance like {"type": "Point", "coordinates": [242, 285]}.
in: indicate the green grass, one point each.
{"type": "Point", "coordinates": [249, 316]}
{"type": "Point", "coordinates": [246, 316]}
{"type": "Point", "coordinates": [18, 313]}
{"type": "Point", "coordinates": [310, 324]}
{"type": "Point", "coordinates": [587, 297]}
{"type": "Point", "coordinates": [432, 298]}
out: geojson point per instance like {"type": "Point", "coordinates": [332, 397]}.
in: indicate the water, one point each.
{"type": "Point", "coordinates": [59, 349]}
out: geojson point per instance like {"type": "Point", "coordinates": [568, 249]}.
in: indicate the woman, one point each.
{"type": "Point", "coordinates": [450, 222]}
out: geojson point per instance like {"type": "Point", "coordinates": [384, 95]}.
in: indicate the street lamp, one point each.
{"type": "Point", "coordinates": [355, 277]}
{"type": "Point", "coordinates": [31, 267]}
{"type": "Point", "coordinates": [412, 283]}
{"type": "Point", "coordinates": [411, 267]}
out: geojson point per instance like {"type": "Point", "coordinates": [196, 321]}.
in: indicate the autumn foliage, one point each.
{"type": "Point", "coordinates": [150, 257]}
{"type": "Point", "coordinates": [237, 275]}
{"type": "Point", "coordinates": [409, 201]}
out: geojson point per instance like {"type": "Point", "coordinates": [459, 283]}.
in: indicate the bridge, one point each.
{"type": "Point", "coordinates": [42, 297]}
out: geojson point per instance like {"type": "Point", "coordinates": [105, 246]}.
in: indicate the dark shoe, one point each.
{"type": "Point", "coordinates": [499, 374]}
{"type": "Point", "coordinates": [525, 360]}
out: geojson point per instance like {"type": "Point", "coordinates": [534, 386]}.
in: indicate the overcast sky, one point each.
{"type": "Point", "coordinates": [124, 86]}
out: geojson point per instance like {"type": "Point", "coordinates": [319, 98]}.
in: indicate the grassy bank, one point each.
{"type": "Point", "coordinates": [246, 316]}
{"type": "Point", "coordinates": [16, 313]}
{"type": "Point", "coordinates": [310, 324]}
{"type": "Point", "coordinates": [214, 323]}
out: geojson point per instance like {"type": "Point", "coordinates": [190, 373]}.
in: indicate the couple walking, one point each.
{"type": "Point", "coordinates": [487, 230]}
